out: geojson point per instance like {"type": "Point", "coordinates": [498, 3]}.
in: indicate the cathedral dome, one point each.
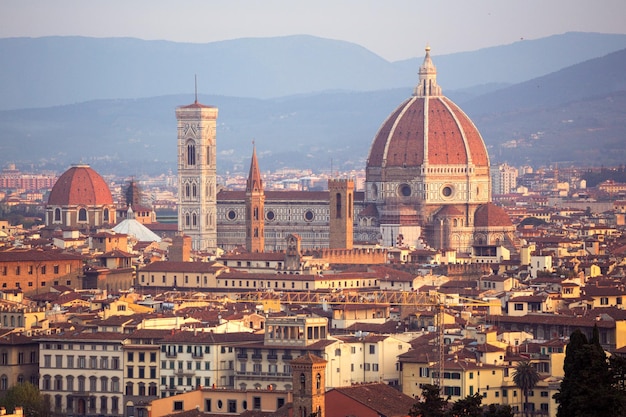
{"type": "Point", "coordinates": [427, 129]}
{"type": "Point", "coordinates": [80, 185]}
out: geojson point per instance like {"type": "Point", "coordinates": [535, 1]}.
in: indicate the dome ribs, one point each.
{"type": "Point", "coordinates": [474, 140]}
{"type": "Point", "coordinates": [80, 185]}
{"type": "Point", "coordinates": [445, 138]}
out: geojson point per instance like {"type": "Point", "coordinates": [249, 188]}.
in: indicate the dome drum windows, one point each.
{"type": "Point", "coordinates": [447, 191]}
{"type": "Point", "coordinates": [82, 215]}
{"type": "Point", "coordinates": [404, 190]}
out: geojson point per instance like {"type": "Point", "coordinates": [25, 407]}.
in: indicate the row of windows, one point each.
{"type": "Point", "coordinates": [196, 350]}
{"type": "Point", "coordinates": [190, 382]}
{"type": "Point", "coordinates": [31, 269]}
{"type": "Point", "coordinates": [190, 365]}
{"type": "Point", "coordinates": [21, 357]}
{"type": "Point", "coordinates": [141, 356]}
{"type": "Point", "coordinates": [82, 215]}
{"type": "Point", "coordinates": [82, 362]}
{"type": "Point", "coordinates": [4, 381]}
{"type": "Point", "coordinates": [71, 383]}
{"type": "Point", "coordinates": [82, 346]}
{"type": "Point", "coordinates": [141, 372]}
{"type": "Point", "coordinates": [80, 406]}
{"type": "Point", "coordinates": [32, 284]}
{"type": "Point", "coordinates": [229, 406]}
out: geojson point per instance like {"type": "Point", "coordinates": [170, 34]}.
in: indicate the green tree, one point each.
{"type": "Point", "coordinates": [431, 405]}
{"type": "Point", "coordinates": [469, 406]}
{"type": "Point", "coordinates": [525, 377]}
{"type": "Point", "coordinates": [28, 397]}
{"type": "Point", "coordinates": [589, 387]}
{"type": "Point", "coordinates": [497, 410]}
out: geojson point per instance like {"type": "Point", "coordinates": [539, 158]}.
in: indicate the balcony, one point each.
{"type": "Point", "coordinates": [197, 355]}
{"type": "Point", "coordinates": [243, 356]}
{"type": "Point", "coordinates": [170, 354]}
{"type": "Point", "coordinates": [185, 372]}
{"type": "Point", "coordinates": [272, 357]}
{"type": "Point", "coordinates": [257, 356]}
{"type": "Point", "coordinates": [287, 357]}
{"type": "Point", "coordinates": [264, 376]}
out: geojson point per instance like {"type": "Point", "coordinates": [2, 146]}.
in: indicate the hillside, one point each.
{"type": "Point", "coordinates": [574, 115]}
{"type": "Point", "coordinates": [51, 71]}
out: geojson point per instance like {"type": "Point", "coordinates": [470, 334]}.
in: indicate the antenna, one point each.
{"type": "Point", "coordinates": [195, 76]}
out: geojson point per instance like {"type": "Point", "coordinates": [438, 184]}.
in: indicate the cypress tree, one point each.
{"type": "Point", "coordinates": [588, 388]}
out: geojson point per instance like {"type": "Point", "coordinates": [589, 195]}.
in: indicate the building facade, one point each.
{"type": "Point", "coordinates": [427, 175]}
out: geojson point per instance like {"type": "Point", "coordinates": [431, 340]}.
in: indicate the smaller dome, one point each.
{"type": "Point", "coordinates": [491, 215]}
{"type": "Point", "coordinates": [449, 211]}
{"type": "Point", "coordinates": [80, 185]}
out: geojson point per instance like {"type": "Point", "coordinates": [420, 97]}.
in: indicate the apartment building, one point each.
{"type": "Point", "coordinates": [83, 373]}
{"type": "Point", "coordinates": [190, 359]}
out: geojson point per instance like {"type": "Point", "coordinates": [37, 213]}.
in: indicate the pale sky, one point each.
{"type": "Point", "coordinates": [393, 29]}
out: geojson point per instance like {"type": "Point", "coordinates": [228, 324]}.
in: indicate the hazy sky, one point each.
{"type": "Point", "coordinates": [393, 29]}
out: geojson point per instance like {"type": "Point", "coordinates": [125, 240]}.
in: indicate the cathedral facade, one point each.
{"type": "Point", "coordinates": [427, 185]}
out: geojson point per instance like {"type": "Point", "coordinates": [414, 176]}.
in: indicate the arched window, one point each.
{"type": "Point", "coordinates": [187, 221]}
{"type": "Point", "coordinates": [82, 215]}
{"type": "Point", "coordinates": [187, 190]}
{"type": "Point", "coordinates": [57, 214]}
{"type": "Point", "coordinates": [194, 221]}
{"type": "Point", "coordinates": [302, 382]}
{"type": "Point", "coordinates": [106, 215]}
{"type": "Point", "coordinates": [318, 381]}
{"type": "Point", "coordinates": [338, 197]}
{"type": "Point", "coordinates": [191, 153]}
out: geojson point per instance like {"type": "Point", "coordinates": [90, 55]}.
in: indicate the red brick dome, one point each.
{"type": "Point", "coordinates": [427, 128]}
{"type": "Point", "coordinates": [80, 185]}
{"type": "Point", "coordinates": [490, 215]}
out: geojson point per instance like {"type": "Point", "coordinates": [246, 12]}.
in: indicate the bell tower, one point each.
{"type": "Point", "coordinates": [197, 196]}
{"type": "Point", "coordinates": [341, 233]}
{"type": "Point", "coordinates": [309, 379]}
{"type": "Point", "coordinates": [255, 204]}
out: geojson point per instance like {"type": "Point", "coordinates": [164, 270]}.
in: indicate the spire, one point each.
{"type": "Point", "coordinates": [255, 183]}
{"type": "Point", "coordinates": [427, 78]}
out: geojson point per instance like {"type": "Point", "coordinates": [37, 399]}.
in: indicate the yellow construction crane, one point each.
{"type": "Point", "coordinates": [432, 299]}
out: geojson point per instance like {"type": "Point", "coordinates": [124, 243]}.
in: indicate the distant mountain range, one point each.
{"type": "Point", "coordinates": [308, 102]}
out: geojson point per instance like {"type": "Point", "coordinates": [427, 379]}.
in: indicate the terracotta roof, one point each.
{"type": "Point", "coordinates": [382, 398]}
{"type": "Point", "coordinates": [80, 185]}
{"type": "Point", "coordinates": [449, 210]}
{"type": "Point", "coordinates": [308, 358]}
{"type": "Point", "coordinates": [491, 215]}
{"type": "Point", "coordinates": [400, 140]}
{"type": "Point", "coordinates": [171, 266]}
{"type": "Point", "coordinates": [36, 255]}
